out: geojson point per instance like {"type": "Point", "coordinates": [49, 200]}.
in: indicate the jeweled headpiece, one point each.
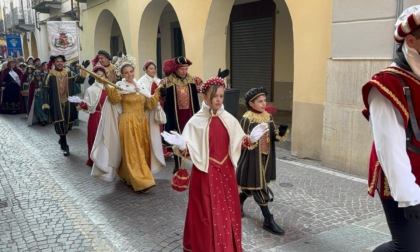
{"type": "Point", "coordinates": [210, 82]}
{"type": "Point", "coordinates": [125, 60]}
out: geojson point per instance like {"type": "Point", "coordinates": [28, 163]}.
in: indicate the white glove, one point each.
{"type": "Point", "coordinates": [175, 139]}
{"type": "Point", "coordinates": [258, 131]}
{"type": "Point", "coordinates": [74, 99]}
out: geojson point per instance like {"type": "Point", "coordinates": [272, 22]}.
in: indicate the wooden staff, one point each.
{"type": "Point", "coordinates": [98, 77]}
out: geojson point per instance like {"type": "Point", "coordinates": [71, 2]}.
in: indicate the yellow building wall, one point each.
{"type": "Point", "coordinates": [312, 44]}
{"type": "Point", "coordinates": [204, 34]}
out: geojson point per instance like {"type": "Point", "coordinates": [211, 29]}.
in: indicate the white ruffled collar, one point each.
{"type": "Point", "coordinates": [207, 110]}
{"type": "Point", "coordinates": [129, 88]}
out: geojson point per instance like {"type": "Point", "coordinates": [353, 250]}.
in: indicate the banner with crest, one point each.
{"type": "Point", "coordinates": [63, 39]}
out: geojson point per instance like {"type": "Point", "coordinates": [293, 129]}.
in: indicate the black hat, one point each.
{"type": "Point", "coordinates": [54, 57]}
{"type": "Point", "coordinates": [181, 60]}
{"type": "Point", "coordinates": [253, 94]}
{"type": "Point", "coordinates": [105, 53]}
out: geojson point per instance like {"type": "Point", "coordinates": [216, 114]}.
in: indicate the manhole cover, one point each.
{"type": "Point", "coordinates": [3, 204]}
{"type": "Point", "coordinates": [286, 184]}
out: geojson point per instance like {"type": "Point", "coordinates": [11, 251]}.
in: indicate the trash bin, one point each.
{"type": "Point", "coordinates": [231, 101]}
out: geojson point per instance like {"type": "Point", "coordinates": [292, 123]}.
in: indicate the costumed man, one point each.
{"type": "Point", "coordinates": [58, 86]}
{"type": "Point", "coordinates": [392, 100]}
{"type": "Point", "coordinates": [181, 101]}
{"type": "Point", "coordinates": [103, 58]}
{"type": "Point", "coordinates": [257, 164]}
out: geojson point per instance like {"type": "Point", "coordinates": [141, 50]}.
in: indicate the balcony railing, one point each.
{"type": "Point", "coordinates": [44, 6]}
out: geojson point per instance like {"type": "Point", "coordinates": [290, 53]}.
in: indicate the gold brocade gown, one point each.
{"type": "Point", "coordinates": [134, 138]}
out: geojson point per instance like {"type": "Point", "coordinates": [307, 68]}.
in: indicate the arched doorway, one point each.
{"type": "Point", "coordinates": [256, 39]}
{"type": "Point", "coordinates": [161, 33]}
{"type": "Point", "coordinates": [34, 47]}
{"type": "Point", "coordinates": [108, 34]}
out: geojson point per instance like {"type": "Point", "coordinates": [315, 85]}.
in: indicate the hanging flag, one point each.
{"type": "Point", "coordinates": [63, 39]}
{"type": "Point", "coordinates": [14, 45]}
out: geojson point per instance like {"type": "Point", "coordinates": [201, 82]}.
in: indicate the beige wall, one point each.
{"type": "Point", "coordinates": [311, 36]}
{"type": "Point", "coordinates": [363, 29]}
{"type": "Point", "coordinates": [347, 136]}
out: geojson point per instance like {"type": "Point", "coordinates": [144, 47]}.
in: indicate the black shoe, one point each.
{"type": "Point", "coordinates": [271, 226]}
{"type": "Point", "coordinates": [242, 198]}
{"type": "Point", "coordinates": [66, 151]}
{"type": "Point", "coordinates": [43, 123]}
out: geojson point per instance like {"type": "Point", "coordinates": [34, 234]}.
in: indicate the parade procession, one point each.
{"type": "Point", "coordinates": [209, 125]}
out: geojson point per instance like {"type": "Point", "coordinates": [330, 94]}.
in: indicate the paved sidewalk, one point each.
{"type": "Point", "coordinates": [49, 202]}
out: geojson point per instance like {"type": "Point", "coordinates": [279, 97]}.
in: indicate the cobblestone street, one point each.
{"type": "Point", "coordinates": [49, 202]}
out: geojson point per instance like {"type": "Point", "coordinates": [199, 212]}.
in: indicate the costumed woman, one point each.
{"type": "Point", "coordinates": [92, 103]}
{"type": "Point", "coordinates": [132, 128]}
{"type": "Point", "coordinates": [155, 117]}
{"type": "Point", "coordinates": [11, 80]}
{"type": "Point", "coordinates": [35, 101]}
{"type": "Point", "coordinates": [213, 139]}
{"type": "Point", "coordinates": [257, 165]}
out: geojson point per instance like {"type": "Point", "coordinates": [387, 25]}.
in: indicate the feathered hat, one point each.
{"type": "Point", "coordinates": [171, 65]}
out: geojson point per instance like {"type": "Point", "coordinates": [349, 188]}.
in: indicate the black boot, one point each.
{"type": "Point", "coordinates": [269, 224]}
{"type": "Point", "coordinates": [63, 142]}
{"type": "Point", "coordinates": [66, 151]}
{"type": "Point", "coordinates": [242, 198]}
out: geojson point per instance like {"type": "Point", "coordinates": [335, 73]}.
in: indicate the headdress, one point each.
{"type": "Point", "coordinates": [406, 23]}
{"type": "Point", "coordinates": [101, 52]}
{"type": "Point", "coordinates": [148, 63]}
{"type": "Point", "coordinates": [11, 58]}
{"type": "Point", "coordinates": [30, 57]}
{"type": "Point", "coordinates": [253, 94]}
{"type": "Point", "coordinates": [171, 65]}
{"type": "Point", "coordinates": [124, 61]}
{"type": "Point", "coordinates": [210, 82]}
{"type": "Point", "coordinates": [37, 59]}
{"type": "Point", "coordinates": [37, 73]}
{"type": "Point", "coordinates": [99, 67]}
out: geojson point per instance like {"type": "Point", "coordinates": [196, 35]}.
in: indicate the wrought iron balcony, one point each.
{"type": "Point", "coordinates": [44, 6]}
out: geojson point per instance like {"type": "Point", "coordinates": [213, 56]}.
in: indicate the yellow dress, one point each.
{"type": "Point", "coordinates": [134, 138]}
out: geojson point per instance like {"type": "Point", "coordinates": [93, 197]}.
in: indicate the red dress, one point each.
{"type": "Point", "coordinates": [213, 221]}
{"type": "Point", "coordinates": [93, 123]}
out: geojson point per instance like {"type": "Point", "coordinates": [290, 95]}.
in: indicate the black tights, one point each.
{"type": "Point", "coordinates": [405, 233]}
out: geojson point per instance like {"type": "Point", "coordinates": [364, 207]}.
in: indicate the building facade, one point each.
{"type": "Point", "coordinates": [312, 56]}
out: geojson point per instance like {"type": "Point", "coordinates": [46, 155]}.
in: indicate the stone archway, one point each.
{"type": "Point", "coordinates": [34, 47]}
{"type": "Point", "coordinates": [107, 33]}
{"type": "Point", "coordinates": [217, 50]}
{"type": "Point", "coordinates": [160, 33]}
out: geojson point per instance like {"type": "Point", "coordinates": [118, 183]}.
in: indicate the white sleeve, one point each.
{"type": "Point", "coordinates": [389, 136]}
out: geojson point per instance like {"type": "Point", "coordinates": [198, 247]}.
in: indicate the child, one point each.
{"type": "Point", "coordinates": [213, 139]}
{"type": "Point", "coordinates": [257, 164]}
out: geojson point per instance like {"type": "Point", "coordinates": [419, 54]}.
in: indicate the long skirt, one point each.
{"type": "Point", "coordinates": [213, 221]}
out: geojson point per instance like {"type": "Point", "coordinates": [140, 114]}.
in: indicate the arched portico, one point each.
{"type": "Point", "coordinates": [107, 32]}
